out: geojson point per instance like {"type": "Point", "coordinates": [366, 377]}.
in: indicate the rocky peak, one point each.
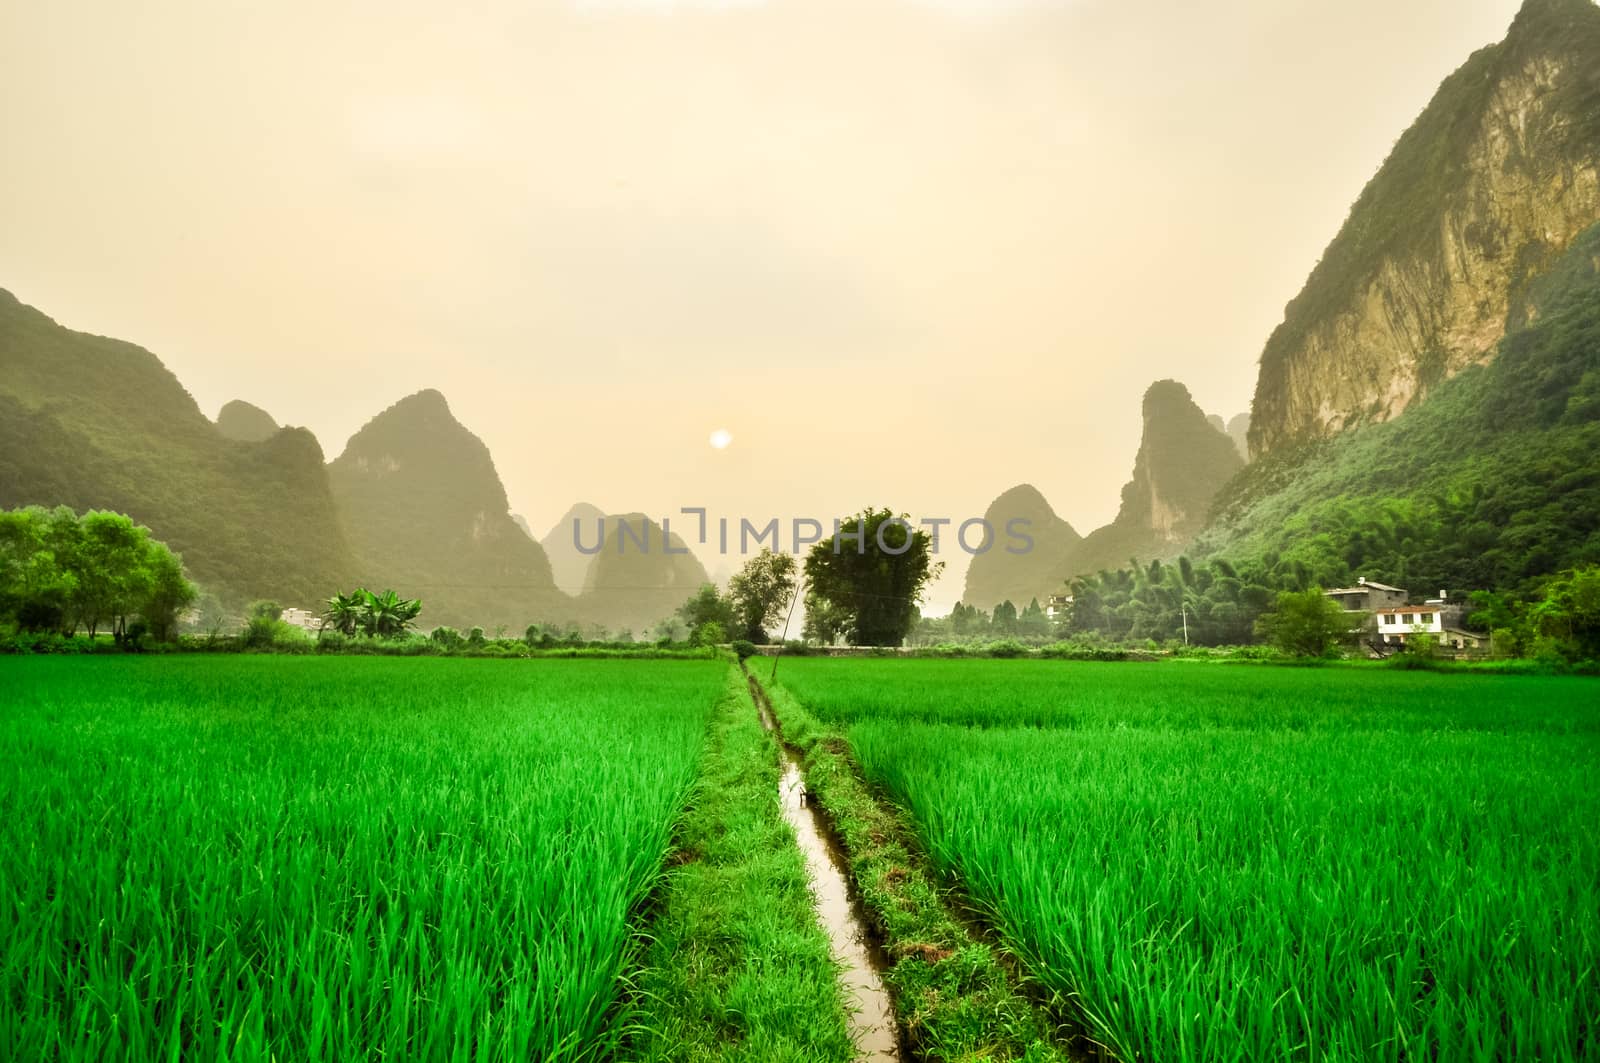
{"type": "Point", "coordinates": [1183, 459]}
{"type": "Point", "coordinates": [1482, 194]}
{"type": "Point", "coordinates": [567, 562]}
{"type": "Point", "coordinates": [998, 575]}
{"type": "Point", "coordinates": [427, 514]}
{"type": "Point", "coordinates": [239, 420]}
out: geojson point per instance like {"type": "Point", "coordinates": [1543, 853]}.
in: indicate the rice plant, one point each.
{"type": "Point", "coordinates": [1312, 879]}
{"type": "Point", "coordinates": [331, 859]}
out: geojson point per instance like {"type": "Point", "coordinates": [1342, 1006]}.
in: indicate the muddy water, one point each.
{"type": "Point", "coordinates": [872, 1022]}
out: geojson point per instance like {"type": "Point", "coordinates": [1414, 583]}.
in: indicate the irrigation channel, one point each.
{"type": "Point", "coordinates": [872, 1021]}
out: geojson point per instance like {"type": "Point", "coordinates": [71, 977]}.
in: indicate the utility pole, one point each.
{"type": "Point", "coordinates": [798, 583]}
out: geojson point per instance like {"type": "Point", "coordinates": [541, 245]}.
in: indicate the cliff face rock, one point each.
{"type": "Point", "coordinates": [1183, 461]}
{"type": "Point", "coordinates": [1483, 193]}
{"type": "Point", "coordinates": [640, 574]}
{"type": "Point", "coordinates": [997, 575]}
{"type": "Point", "coordinates": [239, 420]}
{"type": "Point", "coordinates": [1238, 429]}
{"type": "Point", "coordinates": [426, 514]}
{"type": "Point", "coordinates": [569, 564]}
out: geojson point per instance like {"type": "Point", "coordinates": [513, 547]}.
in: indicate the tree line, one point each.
{"type": "Point", "coordinates": [61, 573]}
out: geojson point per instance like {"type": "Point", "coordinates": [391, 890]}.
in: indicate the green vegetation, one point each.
{"type": "Point", "coordinates": [1491, 484]}
{"type": "Point", "coordinates": [760, 593]}
{"type": "Point", "coordinates": [261, 857]}
{"type": "Point", "coordinates": [1308, 624]}
{"type": "Point", "coordinates": [1237, 863]}
{"type": "Point", "coordinates": [737, 966]}
{"type": "Point", "coordinates": [957, 998]}
{"type": "Point", "coordinates": [1178, 695]}
{"type": "Point", "coordinates": [864, 581]}
{"type": "Point", "coordinates": [60, 572]}
{"type": "Point", "coordinates": [383, 615]}
{"type": "Point", "coordinates": [96, 423]}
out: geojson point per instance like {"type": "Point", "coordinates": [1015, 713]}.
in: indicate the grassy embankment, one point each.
{"type": "Point", "coordinates": [955, 995]}
{"type": "Point", "coordinates": [737, 967]}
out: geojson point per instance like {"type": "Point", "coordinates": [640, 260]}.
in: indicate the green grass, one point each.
{"type": "Point", "coordinates": [1185, 695]}
{"type": "Point", "coordinates": [253, 858]}
{"type": "Point", "coordinates": [738, 967]}
{"type": "Point", "coordinates": [1244, 863]}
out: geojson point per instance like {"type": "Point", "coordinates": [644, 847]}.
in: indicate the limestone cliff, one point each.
{"type": "Point", "coordinates": [560, 543]}
{"type": "Point", "coordinates": [638, 573]}
{"type": "Point", "coordinates": [426, 513]}
{"type": "Point", "coordinates": [1182, 463]}
{"type": "Point", "coordinates": [999, 575]}
{"type": "Point", "coordinates": [241, 421]}
{"type": "Point", "coordinates": [1481, 195]}
{"type": "Point", "coordinates": [97, 423]}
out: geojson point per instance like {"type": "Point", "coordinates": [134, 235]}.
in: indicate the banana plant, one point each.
{"type": "Point", "coordinates": [387, 614]}
{"type": "Point", "coordinates": [344, 613]}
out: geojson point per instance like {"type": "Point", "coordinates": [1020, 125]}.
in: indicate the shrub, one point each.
{"type": "Point", "coordinates": [743, 648]}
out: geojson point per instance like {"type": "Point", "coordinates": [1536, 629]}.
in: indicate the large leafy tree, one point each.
{"type": "Point", "coordinates": [1570, 611]}
{"type": "Point", "coordinates": [760, 592]}
{"type": "Point", "coordinates": [706, 610]}
{"type": "Point", "coordinates": [61, 572]}
{"type": "Point", "coordinates": [1307, 623]}
{"type": "Point", "coordinates": [866, 579]}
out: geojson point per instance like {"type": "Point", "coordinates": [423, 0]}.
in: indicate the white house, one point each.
{"type": "Point", "coordinates": [304, 619]}
{"type": "Point", "coordinates": [1437, 617]}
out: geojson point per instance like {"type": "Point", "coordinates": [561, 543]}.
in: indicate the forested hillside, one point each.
{"type": "Point", "coordinates": [97, 423]}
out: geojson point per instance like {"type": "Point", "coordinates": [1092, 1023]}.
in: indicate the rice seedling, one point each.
{"type": "Point", "coordinates": [335, 859]}
{"type": "Point", "coordinates": [1185, 695]}
{"type": "Point", "coordinates": [1298, 875]}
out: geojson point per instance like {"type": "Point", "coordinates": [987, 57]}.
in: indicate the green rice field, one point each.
{"type": "Point", "coordinates": [336, 858]}
{"type": "Point", "coordinates": [278, 858]}
{"type": "Point", "coordinates": [1241, 863]}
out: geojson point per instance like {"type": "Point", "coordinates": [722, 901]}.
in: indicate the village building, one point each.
{"type": "Point", "coordinates": [304, 619]}
{"type": "Point", "coordinates": [1368, 596]}
{"type": "Point", "coordinates": [1392, 617]}
{"type": "Point", "coordinates": [1057, 606]}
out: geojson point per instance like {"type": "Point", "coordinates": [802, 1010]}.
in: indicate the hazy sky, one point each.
{"type": "Point", "coordinates": [909, 252]}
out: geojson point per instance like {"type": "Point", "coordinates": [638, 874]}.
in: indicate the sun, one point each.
{"type": "Point", "coordinates": [720, 439]}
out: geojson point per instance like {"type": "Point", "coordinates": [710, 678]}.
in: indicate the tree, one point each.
{"type": "Point", "coordinates": [1005, 618]}
{"type": "Point", "coordinates": [1570, 612]}
{"type": "Point", "coordinates": [35, 580]}
{"type": "Point", "coordinates": [968, 620]}
{"type": "Point", "coordinates": [59, 571]}
{"type": "Point", "coordinates": [169, 594]}
{"type": "Point", "coordinates": [825, 621]}
{"type": "Point", "coordinates": [704, 608]}
{"type": "Point", "coordinates": [759, 594]}
{"type": "Point", "coordinates": [867, 578]}
{"type": "Point", "coordinates": [1307, 623]}
{"type": "Point", "coordinates": [344, 613]}
{"type": "Point", "coordinates": [387, 615]}
{"type": "Point", "coordinates": [1033, 623]}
